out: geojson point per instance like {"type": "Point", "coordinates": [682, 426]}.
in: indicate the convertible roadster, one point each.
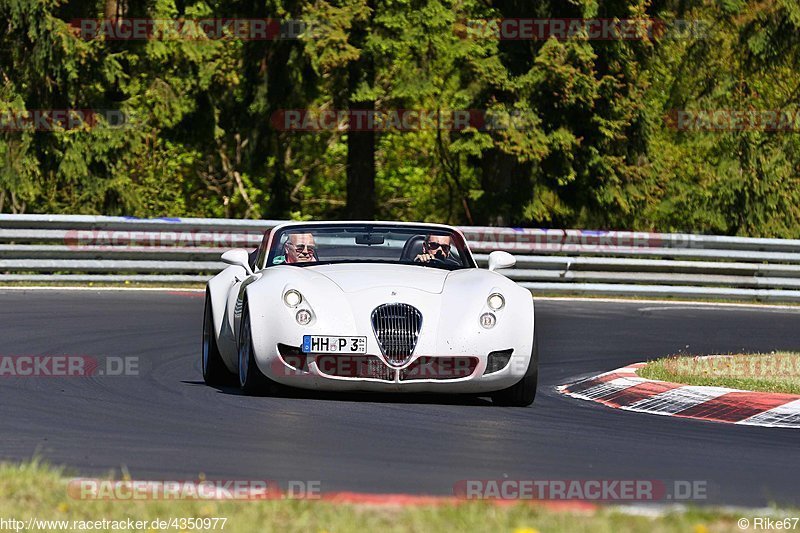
{"type": "Point", "coordinates": [369, 306]}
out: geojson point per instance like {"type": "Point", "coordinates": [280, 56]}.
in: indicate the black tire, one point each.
{"type": "Point", "coordinates": [214, 370]}
{"type": "Point", "coordinates": [524, 392]}
{"type": "Point", "coordinates": [251, 380]}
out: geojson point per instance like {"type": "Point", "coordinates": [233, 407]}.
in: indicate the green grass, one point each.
{"type": "Point", "coordinates": [774, 372]}
{"type": "Point", "coordinates": [36, 490]}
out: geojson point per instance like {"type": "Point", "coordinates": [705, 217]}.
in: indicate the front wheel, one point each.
{"type": "Point", "coordinates": [251, 380]}
{"type": "Point", "coordinates": [523, 393]}
{"type": "Point", "coordinates": [214, 370]}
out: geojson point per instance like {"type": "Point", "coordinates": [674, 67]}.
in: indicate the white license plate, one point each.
{"type": "Point", "coordinates": [333, 344]}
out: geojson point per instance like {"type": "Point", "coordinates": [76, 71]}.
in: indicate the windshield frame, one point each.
{"type": "Point", "coordinates": [459, 241]}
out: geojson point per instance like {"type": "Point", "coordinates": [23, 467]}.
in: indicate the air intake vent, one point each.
{"type": "Point", "coordinates": [397, 328]}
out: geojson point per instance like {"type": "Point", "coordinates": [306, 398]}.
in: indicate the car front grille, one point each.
{"type": "Point", "coordinates": [397, 328]}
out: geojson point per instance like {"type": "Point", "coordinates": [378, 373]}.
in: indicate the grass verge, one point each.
{"type": "Point", "coordinates": [773, 372]}
{"type": "Point", "coordinates": [34, 490]}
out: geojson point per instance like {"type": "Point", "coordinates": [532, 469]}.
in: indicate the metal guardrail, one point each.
{"type": "Point", "coordinates": [77, 248]}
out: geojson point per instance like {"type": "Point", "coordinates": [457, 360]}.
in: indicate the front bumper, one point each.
{"type": "Point", "coordinates": [422, 373]}
{"type": "Point", "coordinates": [450, 329]}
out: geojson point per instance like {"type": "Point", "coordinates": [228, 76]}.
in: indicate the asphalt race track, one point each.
{"type": "Point", "coordinates": [166, 424]}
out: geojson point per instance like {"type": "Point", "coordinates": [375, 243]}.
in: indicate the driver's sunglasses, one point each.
{"type": "Point", "coordinates": [435, 245]}
{"type": "Point", "coordinates": [300, 248]}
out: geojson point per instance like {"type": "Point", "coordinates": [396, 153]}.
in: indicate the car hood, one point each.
{"type": "Point", "coordinates": [359, 277]}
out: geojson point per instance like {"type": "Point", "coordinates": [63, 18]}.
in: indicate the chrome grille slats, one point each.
{"type": "Point", "coordinates": [409, 326]}
{"type": "Point", "coordinates": [397, 327]}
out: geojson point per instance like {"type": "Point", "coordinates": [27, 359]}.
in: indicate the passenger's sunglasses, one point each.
{"type": "Point", "coordinates": [436, 245]}
{"type": "Point", "coordinates": [300, 248]}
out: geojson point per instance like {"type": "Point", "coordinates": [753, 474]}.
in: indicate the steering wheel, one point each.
{"type": "Point", "coordinates": [434, 260]}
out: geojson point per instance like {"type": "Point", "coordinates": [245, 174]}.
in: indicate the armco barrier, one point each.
{"type": "Point", "coordinates": [76, 248]}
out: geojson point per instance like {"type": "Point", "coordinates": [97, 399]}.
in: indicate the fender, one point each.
{"type": "Point", "coordinates": [219, 288]}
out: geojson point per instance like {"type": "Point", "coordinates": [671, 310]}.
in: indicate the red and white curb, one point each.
{"type": "Point", "coordinates": [624, 389]}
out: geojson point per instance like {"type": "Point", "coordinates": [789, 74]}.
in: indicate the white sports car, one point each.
{"type": "Point", "coordinates": [370, 306]}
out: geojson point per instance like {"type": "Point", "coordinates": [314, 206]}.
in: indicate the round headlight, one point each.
{"type": "Point", "coordinates": [303, 317]}
{"type": "Point", "coordinates": [488, 320]}
{"type": "Point", "coordinates": [292, 298]}
{"type": "Point", "coordinates": [496, 301]}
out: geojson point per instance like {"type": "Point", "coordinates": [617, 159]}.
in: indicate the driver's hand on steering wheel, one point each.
{"type": "Point", "coordinates": [425, 257]}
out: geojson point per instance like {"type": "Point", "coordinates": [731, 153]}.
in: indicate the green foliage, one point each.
{"type": "Point", "coordinates": [586, 142]}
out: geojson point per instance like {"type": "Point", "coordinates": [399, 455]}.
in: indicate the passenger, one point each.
{"type": "Point", "coordinates": [300, 248]}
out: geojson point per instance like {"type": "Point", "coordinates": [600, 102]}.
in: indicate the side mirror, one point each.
{"type": "Point", "coordinates": [238, 257]}
{"type": "Point", "coordinates": [498, 260]}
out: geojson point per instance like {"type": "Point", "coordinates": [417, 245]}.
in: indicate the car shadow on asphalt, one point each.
{"type": "Point", "coordinates": [360, 397]}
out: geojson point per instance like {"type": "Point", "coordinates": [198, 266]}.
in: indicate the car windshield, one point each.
{"type": "Point", "coordinates": [414, 245]}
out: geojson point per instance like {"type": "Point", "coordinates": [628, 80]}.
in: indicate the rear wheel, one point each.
{"type": "Point", "coordinates": [214, 370]}
{"type": "Point", "coordinates": [523, 393]}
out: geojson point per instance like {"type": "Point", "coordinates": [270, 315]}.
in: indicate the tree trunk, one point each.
{"type": "Point", "coordinates": [360, 144]}
{"type": "Point", "coordinates": [275, 56]}
{"type": "Point", "coordinates": [280, 205]}
{"type": "Point", "coordinates": [111, 9]}
{"type": "Point", "coordinates": [508, 187]}
{"type": "Point", "coordinates": [361, 169]}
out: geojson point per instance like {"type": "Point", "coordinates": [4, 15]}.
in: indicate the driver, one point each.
{"type": "Point", "coordinates": [300, 248]}
{"type": "Point", "coordinates": [435, 247]}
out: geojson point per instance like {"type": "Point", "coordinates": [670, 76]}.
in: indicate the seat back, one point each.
{"type": "Point", "coordinates": [412, 248]}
